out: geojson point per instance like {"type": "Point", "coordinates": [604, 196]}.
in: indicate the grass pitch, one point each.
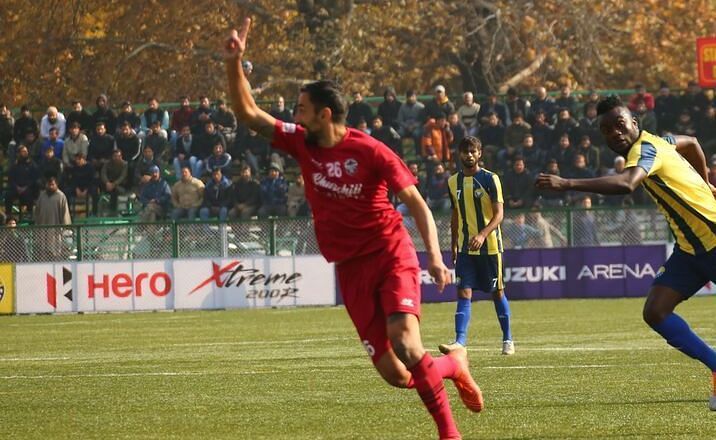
{"type": "Point", "coordinates": [586, 369]}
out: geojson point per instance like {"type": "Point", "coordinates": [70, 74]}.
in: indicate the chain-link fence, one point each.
{"type": "Point", "coordinates": [295, 236]}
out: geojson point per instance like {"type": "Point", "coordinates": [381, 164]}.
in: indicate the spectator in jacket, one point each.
{"type": "Point", "coordinates": [203, 145]}
{"type": "Point", "coordinates": [82, 183]}
{"type": "Point", "coordinates": [437, 139]}
{"type": "Point", "coordinates": [187, 196]}
{"type": "Point", "coordinates": [155, 138]}
{"type": "Point", "coordinates": [439, 104]}
{"type": "Point", "coordinates": [468, 112]}
{"type": "Point", "coordinates": [128, 115]}
{"type": "Point", "coordinates": [358, 110]}
{"type": "Point", "coordinates": [114, 179]}
{"type": "Point", "coordinates": [152, 114]}
{"type": "Point", "coordinates": [296, 198]}
{"type": "Point", "coordinates": [181, 117]}
{"type": "Point", "coordinates": [24, 123]}
{"type": "Point", "coordinates": [183, 150]}
{"type": "Point", "coordinates": [53, 118]}
{"type": "Point", "coordinates": [387, 135]}
{"type": "Point", "coordinates": [49, 166]}
{"type": "Point", "coordinates": [217, 197]}
{"type": "Point", "coordinates": [225, 121]}
{"type": "Point", "coordinates": [409, 119]}
{"type": "Point", "coordinates": [143, 168]}
{"type": "Point", "coordinates": [219, 159]}
{"type": "Point", "coordinates": [154, 197]}
{"type": "Point", "coordinates": [519, 185]}
{"type": "Point", "coordinates": [21, 181]}
{"type": "Point", "coordinates": [104, 114]}
{"type": "Point", "coordinates": [389, 108]}
{"type": "Point", "coordinates": [273, 193]}
{"type": "Point", "coordinates": [76, 142]}
{"type": "Point", "coordinates": [247, 195]}
{"type": "Point", "coordinates": [101, 145]}
{"type": "Point", "coordinates": [80, 116]}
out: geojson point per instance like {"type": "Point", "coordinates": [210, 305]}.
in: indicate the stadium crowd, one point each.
{"type": "Point", "coordinates": [197, 162]}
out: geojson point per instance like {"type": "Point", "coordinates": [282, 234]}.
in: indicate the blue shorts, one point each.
{"type": "Point", "coordinates": [479, 272]}
{"type": "Point", "coordinates": [687, 273]}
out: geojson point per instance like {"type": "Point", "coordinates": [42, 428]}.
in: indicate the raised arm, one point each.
{"type": "Point", "coordinates": [242, 102]}
{"type": "Point", "coordinates": [623, 183]}
{"type": "Point", "coordinates": [426, 225]}
{"type": "Point", "coordinates": [691, 150]}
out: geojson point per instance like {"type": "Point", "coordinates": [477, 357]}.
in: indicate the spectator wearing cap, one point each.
{"type": "Point", "coordinates": [82, 183]}
{"type": "Point", "coordinates": [101, 144]}
{"type": "Point", "coordinates": [155, 197]}
{"type": "Point", "coordinates": [152, 114]}
{"type": "Point", "coordinates": [80, 116]}
{"type": "Point", "coordinates": [274, 193]}
{"type": "Point", "coordinates": [640, 94]}
{"type": "Point", "coordinates": [358, 110]}
{"type": "Point", "coordinates": [409, 119]}
{"type": "Point", "coordinates": [127, 114]}
{"type": "Point", "coordinates": [492, 105]}
{"type": "Point", "coordinates": [24, 123]}
{"type": "Point", "coordinates": [440, 103]}
{"type": "Point", "coordinates": [468, 112]}
{"type": "Point", "coordinates": [104, 114]}
{"type": "Point", "coordinates": [389, 108]}
{"type": "Point", "coordinates": [201, 115]}
{"type": "Point", "coordinates": [52, 118]}
{"type": "Point", "coordinates": [225, 121]}
{"type": "Point", "coordinates": [217, 197]}
{"type": "Point", "coordinates": [436, 142]}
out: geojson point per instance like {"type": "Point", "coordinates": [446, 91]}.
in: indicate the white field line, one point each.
{"type": "Point", "coordinates": [285, 341]}
{"type": "Point", "coordinates": [557, 367]}
{"type": "Point", "coordinates": [160, 374]}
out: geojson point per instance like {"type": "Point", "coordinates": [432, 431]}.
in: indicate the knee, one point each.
{"type": "Point", "coordinates": [408, 352]}
{"type": "Point", "coordinates": [498, 294]}
{"type": "Point", "coordinates": [652, 315]}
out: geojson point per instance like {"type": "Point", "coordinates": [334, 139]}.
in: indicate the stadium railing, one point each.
{"type": "Point", "coordinates": [118, 240]}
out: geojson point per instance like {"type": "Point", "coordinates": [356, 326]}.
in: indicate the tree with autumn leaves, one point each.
{"type": "Point", "coordinates": [53, 51]}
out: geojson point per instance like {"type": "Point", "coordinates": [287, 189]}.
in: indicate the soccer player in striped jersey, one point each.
{"type": "Point", "coordinates": [477, 211]}
{"type": "Point", "coordinates": [673, 171]}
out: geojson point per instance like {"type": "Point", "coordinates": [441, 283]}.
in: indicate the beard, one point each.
{"type": "Point", "coordinates": [311, 137]}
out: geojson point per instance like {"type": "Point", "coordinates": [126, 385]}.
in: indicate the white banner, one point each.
{"type": "Point", "coordinates": [254, 282]}
{"type": "Point", "coordinates": [37, 288]}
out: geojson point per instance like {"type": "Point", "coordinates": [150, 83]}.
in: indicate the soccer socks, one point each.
{"type": "Point", "coordinates": [430, 387]}
{"type": "Point", "coordinates": [502, 308]}
{"type": "Point", "coordinates": [462, 320]}
{"type": "Point", "coordinates": [446, 366]}
{"type": "Point", "coordinates": [679, 335]}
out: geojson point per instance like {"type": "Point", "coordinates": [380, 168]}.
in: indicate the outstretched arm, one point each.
{"type": "Point", "coordinates": [691, 150]}
{"type": "Point", "coordinates": [242, 102]}
{"type": "Point", "coordinates": [623, 183]}
{"type": "Point", "coordinates": [426, 225]}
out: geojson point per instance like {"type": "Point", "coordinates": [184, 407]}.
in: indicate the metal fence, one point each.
{"type": "Point", "coordinates": [126, 240]}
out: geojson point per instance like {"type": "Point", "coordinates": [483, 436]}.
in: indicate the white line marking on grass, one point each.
{"type": "Point", "coordinates": [65, 376]}
{"type": "Point", "coordinates": [286, 341]}
{"type": "Point", "coordinates": [34, 359]}
{"type": "Point", "coordinates": [551, 367]}
{"type": "Point", "coordinates": [619, 348]}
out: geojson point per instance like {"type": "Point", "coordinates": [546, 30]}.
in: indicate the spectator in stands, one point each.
{"type": "Point", "coordinates": [256, 150]}
{"type": "Point", "coordinates": [54, 142]}
{"type": "Point", "coordinates": [183, 152]}
{"type": "Point", "coordinates": [545, 229]}
{"type": "Point", "coordinates": [217, 197]}
{"type": "Point", "coordinates": [685, 124]}
{"type": "Point", "coordinates": [409, 119]}
{"type": "Point", "coordinates": [589, 126]}
{"type": "Point", "coordinates": [156, 138]}
{"type": "Point", "coordinates": [515, 132]}
{"type": "Point", "coordinates": [584, 228]}
{"type": "Point", "coordinates": [534, 158]}
{"type": "Point", "coordinates": [440, 103]}
{"type": "Point", "coordinates": [436, 142]}
{"type": "Point", "coordinates": [542, 132]}
{"type": "Point", "coordinates": [578, 170]}
{"type": "Point", "coordinates": [114, 178]}
{"type": "Point", "coordinates": [155, 197]}
{"type": "Point", "coordinates": [645, 117]}
{"type": "Point", "coordinates": [363, 126]}
{"type": "Point", "coordinates": [694, 100]}
{"type": "Point", "coordinates": [593, 98]}
{"type": "Point", "coordinates": [273, 193]}
{"type": "Point", "coordinates": [201, 115]}
{"type": "Point", "coordinates": [53, 118]}
{"type": "Point", "coordinates": [492, 134]}
{"type": "Point", "coordinates": [187, 196]}
{"type": "Point", "coordinates": [437, 190]}
{"type": "Point", "coordinates": [591, 154]}
{"type": "Point", "coordinates": [296, 203]}
{"type": "Point", "coordinates": [152, 114]}
{"type": "Point", "coordinates": [21, 182]}
{"type": "Point", "coordinates": [547, 198]}
{"type": "Point", "coordinates": [246, 197]}
{"type": "Point", "coordinates": [82, 183]}
{"type": "Point", "coordinates": [52, 209]}
{"type": "Point", "coordinates": [7, 122]}
{"type": "Point", "coordinates": [616, 199]}
{"type": "Point", "coordinates": [518, 234]}
{"type": "Point", "coordinates": [491, 105]}
{"type": "Point", "coordinates": [515, 103]}
{"type": "Point", "coordinates": [542, 102]}
{"type": "Point", "coordinates": [358, 110]}
{"type": "Point", "coordinates": [563, 152]}
{"type": "Point", "coordinates": [459, 132]}
{"type": "Point", "coordinates": [421, 186]}
{"type": "Point", "coordinates": [707, 131]}
{"type": "Point", "coordinates": [280, 112]}
{"type": "Point", "coordinates": [203, 145]}
{"type": "Point", "coordinates": [49, 166]}
{"type": "Point", "coordinates": [181, 117]}
{"type": "Point", "coordinates": [225, 120]}
{"type": "Point", "coordinates": [128, 143]}
{"type": "Point", "coordinates": [566, 100]}
{"type": "Point", "coordinates": [389, 108]}
{"type": "Point", "coordinates": [505, 158]}
{"type": "Point", "coordinates": [666, 108]}
{"type": "Point", "coordinates": [640, 94]}
{"type": "Point", "coordinates": [12, 245]}
{"type": "Point", "coordinates": [128, 115]}
{"type": "Point", "coordinates": [104, 114]}
{"type": "Point", "coordinates": [24, 123]}
{"type": "Point", "coordinates": [468, 112]}
{"type": "Point", "coordinates": [387, 135]}
{"type": "Point", "coordinates": [566, 124]}
{"type": "Point", "coordinates": [33, 144]}
{"type": "Point", "coordinates": [219, 159]}
{"type": "Point", "coordinates": [75, 142]}
{"type": "Point", "coordinates": [519, 186]}
{"type": "Point", "coordinates": [80, 116]}
{"type": "Point", "coordinates": [143, 168]}
{"type": "Point", "coordinates": [101, 144]}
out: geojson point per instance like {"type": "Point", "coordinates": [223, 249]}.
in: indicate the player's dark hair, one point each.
{"type": "Point", "coordinates": [325, 93]}
{"type": "Point", "coordinates": [608, 104]}
{"type": "Point", "coordinates": [469, 141]}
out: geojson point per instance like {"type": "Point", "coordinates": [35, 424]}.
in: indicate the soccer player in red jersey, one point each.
{"type": "Point", "coordinates": [348, 175]}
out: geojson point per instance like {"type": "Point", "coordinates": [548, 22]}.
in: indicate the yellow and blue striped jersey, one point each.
{"type": "Point", "coordinates": [678, 190]}
{"type": "Point", "coordinates": [472, 197]}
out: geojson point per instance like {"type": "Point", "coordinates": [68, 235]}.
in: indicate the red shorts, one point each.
{"type": "Point", "coordinates": [375, 286]}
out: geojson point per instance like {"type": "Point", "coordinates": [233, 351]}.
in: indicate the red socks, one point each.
{"type": "Point", "coordinates": [428, 380]}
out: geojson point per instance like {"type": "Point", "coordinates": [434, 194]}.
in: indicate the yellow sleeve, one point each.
{"type": "Point", "coordinates": [498, 189]}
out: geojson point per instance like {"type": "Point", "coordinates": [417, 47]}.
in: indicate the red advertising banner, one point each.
{"type": "Point", "coordinates": [706, 61]}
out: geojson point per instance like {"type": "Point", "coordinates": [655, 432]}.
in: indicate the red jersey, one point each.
{"type": "Point", "coordinates": [347, 187]}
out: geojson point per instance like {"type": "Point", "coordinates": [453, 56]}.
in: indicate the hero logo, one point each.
{"type": "Point", "coordinates": [616, 271]}
{"type": "Point", "coordinates": [531, 274]}
{"type": "Point", "coordinates": [259, 285]}
{"type": "Point", "coordinates": [123, 285]}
